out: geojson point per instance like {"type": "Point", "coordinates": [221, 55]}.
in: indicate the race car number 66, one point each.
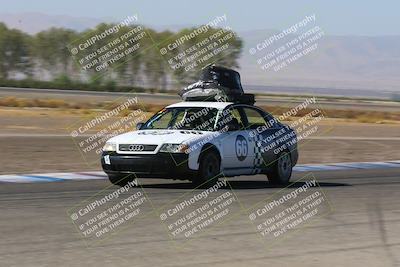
{"type": "Point", "coordinates": [241, 147]}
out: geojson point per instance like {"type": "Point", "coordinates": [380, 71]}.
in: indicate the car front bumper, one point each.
{"type": "Point", "coordinates": [160, 165]}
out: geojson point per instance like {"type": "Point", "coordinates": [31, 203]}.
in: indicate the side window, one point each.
{"type": "Point", "coordinates": [272, 122]}
{"type": "Point", "coordinates": [236, 116]}
{"type": "Point", "coordinates": [254, 118]}
{"type": "Point", "coordinates": [231, 115]}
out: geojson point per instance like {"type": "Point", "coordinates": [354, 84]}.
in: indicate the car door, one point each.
{"type": "Point", "coordinates": [265, 132]}
{"type": "Point", "coordinates": [237, 147]}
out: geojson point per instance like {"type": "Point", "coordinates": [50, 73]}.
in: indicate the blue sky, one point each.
{"type": "Point", "coordinates": [339, 17]}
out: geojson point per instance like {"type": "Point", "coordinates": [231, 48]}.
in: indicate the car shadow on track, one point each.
{"type": "Point", "coordinates": [238, 185]}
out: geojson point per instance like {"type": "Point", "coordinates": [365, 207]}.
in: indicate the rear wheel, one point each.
{"type": "Point", "coordinates": [209, 169]}
{"type": "Point", "coordinates": [281, 169]}
{"type": "Point", "coordinates": [121, 179]}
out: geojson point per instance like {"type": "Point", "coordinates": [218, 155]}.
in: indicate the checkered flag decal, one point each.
{"type": "Point", "coordinates": [258, 159]}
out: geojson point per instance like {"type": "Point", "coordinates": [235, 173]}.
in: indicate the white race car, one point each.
{"type": "Point", "coordinates": [201, 141]}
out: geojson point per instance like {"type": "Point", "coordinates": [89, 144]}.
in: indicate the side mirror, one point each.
{"type": "Point", "coordinates": [139, 125]}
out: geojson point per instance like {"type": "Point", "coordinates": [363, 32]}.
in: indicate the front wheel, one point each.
{"type": "Point", "coordinates": [209, 169]}
{"type": "Point", "coordinates": [281, 169]}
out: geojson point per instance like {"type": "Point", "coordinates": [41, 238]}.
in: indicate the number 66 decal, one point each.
{"type": "Point", "coordinates": [241, 147]}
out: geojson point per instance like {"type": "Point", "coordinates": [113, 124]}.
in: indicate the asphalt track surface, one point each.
{"type": "Point", "coordinates": [361, 229]}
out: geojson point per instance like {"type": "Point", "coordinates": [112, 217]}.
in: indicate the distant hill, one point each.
{"type": "Point", "coordinates": [349, 62]}
{"type": "Point", "coordinates": [340, 63]}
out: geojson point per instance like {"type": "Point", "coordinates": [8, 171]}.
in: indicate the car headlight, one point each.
{"type": "Point", "coordinates": [110, 147]}
{"type": "Point", "coordinates": [174, 148]}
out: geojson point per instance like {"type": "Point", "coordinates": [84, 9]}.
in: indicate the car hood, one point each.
{"type": "Point", "coordinates": [157, 137]}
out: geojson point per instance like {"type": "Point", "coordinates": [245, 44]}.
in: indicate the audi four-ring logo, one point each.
{"type": "Point", "coordinates": [136, 147]}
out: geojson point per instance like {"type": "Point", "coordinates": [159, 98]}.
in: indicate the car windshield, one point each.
{"type": "Point", "coordinates": [184, 118]}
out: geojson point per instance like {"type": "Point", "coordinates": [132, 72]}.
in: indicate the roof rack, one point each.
{"type": "Point", "coordinates": [217, 84]}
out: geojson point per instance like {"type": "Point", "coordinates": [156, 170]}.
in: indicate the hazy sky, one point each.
{"type": "Point", "coordinates": [339, 17]}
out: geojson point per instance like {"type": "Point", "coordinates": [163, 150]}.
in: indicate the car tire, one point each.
{"type": "Point", "coordinates": [120, 179]}
{"type": "Point", "coordinates": [209, 169]}
{"type": "Point", "coordinates": [281, 170]}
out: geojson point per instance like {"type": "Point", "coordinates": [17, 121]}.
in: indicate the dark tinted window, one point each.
{"type": "Point", "coordinates": [254, 118]}
{"type": "Point", "coordinates": [231, 115]}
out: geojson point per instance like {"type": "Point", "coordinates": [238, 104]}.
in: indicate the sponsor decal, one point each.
{"type": "Point", "coordinates": [155, 132]}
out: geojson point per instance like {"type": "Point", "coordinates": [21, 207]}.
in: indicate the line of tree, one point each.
{"type": "Point", "coordinates": [45, 56]}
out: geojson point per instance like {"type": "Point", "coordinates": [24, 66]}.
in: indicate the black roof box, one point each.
{"type": "Point", "coordinates": [217, 84]}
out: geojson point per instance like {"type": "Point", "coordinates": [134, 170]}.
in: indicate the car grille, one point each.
{"type": "Point", "coordinates": [137, 147]}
